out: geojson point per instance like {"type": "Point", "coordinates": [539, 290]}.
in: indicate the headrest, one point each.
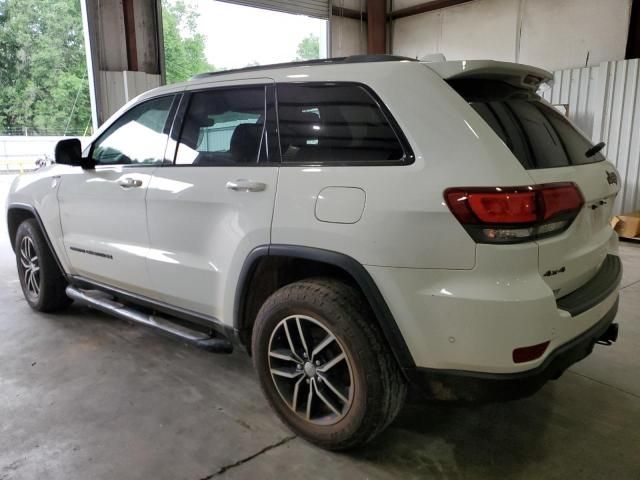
{"type": "Point", "coordinates": [194, 122]}
{"type": "Point", "coordinates": [245, 142]}
{"type": "Point", "coordinates": [297, 126]}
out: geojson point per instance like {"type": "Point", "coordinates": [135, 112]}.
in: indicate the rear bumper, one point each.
{"type": "Point", "coordinates": [455, 385]}
{"type": "Point", "coordinates": [473, 320]}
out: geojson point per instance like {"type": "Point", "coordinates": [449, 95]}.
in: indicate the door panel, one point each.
{"type": "Point", "coordinates": [201, 231]}
{"type": "Point", "coordinates": [104, 224]}
{"type": "Point", "coordinates": [209, 210]}
{"type": "Point", "coordinates": [103, 210]}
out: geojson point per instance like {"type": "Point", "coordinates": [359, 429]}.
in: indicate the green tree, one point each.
{"type": "Point", "coordinates": [183, 45]}
{"type": "Point", "coordinates": [43, 74]}
{"type": "Point", "coordinates": [308, 48]}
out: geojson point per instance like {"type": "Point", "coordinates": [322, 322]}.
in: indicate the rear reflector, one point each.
{"type": "Point", "coordinates": [515, 214]}
{"type": "Point", "coordinates": [526, 354]}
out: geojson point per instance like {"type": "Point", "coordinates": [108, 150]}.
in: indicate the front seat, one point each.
{"type": "Point", "coordinates": [245, 143]}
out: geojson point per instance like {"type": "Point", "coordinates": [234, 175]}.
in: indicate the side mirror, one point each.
{"type": "Point", "coordinates": [69, 152]}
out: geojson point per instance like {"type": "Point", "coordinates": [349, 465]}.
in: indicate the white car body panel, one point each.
{"type": "Point", "coordinates": [105, 225]}
{"type": "Point", "coordinates": [38, 190]}
{"type": "Point", "coordinates": [201, 232]}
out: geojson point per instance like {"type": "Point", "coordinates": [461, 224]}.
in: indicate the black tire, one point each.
{"type": "Point", "coordinates": [44, 289]}
{"type": "Point", "coordinates": [377, 389]}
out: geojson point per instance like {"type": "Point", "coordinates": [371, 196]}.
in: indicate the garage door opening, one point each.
{"type": "Point", "coordinates": [44, 89]}
{"type": "Point", "coordinates": [207, 35]}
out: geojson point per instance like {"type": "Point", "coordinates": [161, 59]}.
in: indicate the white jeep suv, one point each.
{"type": "Point", "coordinates": [357, 224]}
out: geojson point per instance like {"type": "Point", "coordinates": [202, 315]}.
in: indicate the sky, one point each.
{"type": "Point", "coordinates": [238, 35]}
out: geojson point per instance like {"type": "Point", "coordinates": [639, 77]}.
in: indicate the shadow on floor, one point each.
{"type": "Point", "coordinates": [432, 440]}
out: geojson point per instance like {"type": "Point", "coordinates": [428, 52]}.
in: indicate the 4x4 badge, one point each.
{"type": "Point", "coordinates": [612, 178]}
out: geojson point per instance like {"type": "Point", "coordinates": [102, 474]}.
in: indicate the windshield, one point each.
{"type": "Point", "coordinates": [537, 134]}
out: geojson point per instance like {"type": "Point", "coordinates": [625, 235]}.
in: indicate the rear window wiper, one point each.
{"type": "Point", "coordinates": [595, 149]}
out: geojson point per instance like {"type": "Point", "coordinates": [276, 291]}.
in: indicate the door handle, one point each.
{"type": "Point", "coordinates": [130, 183]}
{"type": "Point", "coordinates": [246, 186]}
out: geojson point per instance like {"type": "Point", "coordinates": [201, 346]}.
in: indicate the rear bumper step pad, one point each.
{"type": "Point", "coordinates": [595, 290]}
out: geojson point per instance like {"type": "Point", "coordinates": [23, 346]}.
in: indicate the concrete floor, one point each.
{"type": "Point", "coordinates": [85, 396]}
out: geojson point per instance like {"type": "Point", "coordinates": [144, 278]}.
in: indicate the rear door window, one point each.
{"type": "Point", "coordinates": [228, 126]}
{"type": "Point", "coordinates": [334, 123]}
{"type": "Point", "coordinates": [537, 134]}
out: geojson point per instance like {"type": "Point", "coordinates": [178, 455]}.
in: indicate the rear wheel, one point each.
{"type": "Point", "coordinates": [323, 364]}
{"type": "Point", "coordinates": [42, 282]}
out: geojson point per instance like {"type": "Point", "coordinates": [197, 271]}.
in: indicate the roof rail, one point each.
{"type": "Point", "coordinates": [433, 58]}
{"type": "Point", "coordinates": [325, 61]}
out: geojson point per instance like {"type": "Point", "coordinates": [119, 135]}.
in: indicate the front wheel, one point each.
{"type": "Point", "coordinates": [324, 365]}
{"type": "Point", "coordinates": [42, 282]}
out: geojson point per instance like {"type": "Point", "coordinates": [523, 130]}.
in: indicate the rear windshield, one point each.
{"type": "Point", "coordinates": [537, 134]}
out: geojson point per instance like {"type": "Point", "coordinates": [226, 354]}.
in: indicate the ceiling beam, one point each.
{"type": "Point", "coordinates": [401, 13]}
{"type": "Point", "coordinates": [425, 7]}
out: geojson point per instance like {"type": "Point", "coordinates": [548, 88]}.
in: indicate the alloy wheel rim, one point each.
{"type": "Point", "coordinates": [30, 267]}
{"type": "Point", "coordinates": [310, 370]}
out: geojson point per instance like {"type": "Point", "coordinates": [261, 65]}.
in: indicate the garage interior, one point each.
{"type": "Point", "coordinates": [84, 395]}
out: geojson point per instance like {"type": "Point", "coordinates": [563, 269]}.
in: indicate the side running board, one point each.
{"type": "Point", "coordinates": [103, 302]}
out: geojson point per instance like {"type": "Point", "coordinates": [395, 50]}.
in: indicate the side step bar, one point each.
{"type": "Point", "coordinates": [103, 302]}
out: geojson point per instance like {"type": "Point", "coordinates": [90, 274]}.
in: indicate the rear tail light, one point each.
{"type": "Point", "coordinates": [515, 214]}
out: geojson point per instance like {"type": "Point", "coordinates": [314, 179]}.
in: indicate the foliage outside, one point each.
{"type": "Point", "coordinates": [43, 75]}
{"type": "Point", "coordinates": [184, 47]}
{"type": "Point", "coordinates": [43, 80]}
{"type": "Point", "coordinates": [309, 48]}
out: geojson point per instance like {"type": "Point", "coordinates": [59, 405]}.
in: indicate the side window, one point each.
{"type": "Point", "coordinates": [326, 123]}
{"type": "Point", "coordinates": [225, 127]}
{"type": "Point", "coordinates": [138, 137]}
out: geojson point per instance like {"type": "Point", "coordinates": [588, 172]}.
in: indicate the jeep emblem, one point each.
{"type": "Point", "coordinates": [612, 178]}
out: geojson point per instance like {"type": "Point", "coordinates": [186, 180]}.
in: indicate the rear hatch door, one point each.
{"type": "Point", "coordinates": [552, 150]}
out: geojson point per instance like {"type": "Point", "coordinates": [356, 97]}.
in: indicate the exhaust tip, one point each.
{"type": "Point", "coordinates": [610, 335]}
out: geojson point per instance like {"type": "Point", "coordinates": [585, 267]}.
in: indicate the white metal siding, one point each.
{"type": "Point", "coordinates": [603, 102]}
{"type": "Point", "coordinates": [311, 8]}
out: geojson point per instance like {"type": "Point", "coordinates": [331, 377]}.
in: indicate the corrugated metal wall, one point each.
{"type": "Point", "coordinates": [577, 88]}
{"type": "Point", "coordinates": [618, 124]}
{"type": "Point", "coordinates": [604, 101]}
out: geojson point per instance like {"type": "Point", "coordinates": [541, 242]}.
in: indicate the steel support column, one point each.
{"type": "Point", "coordinates": [130, 34]}
{"type": "Point", "coordinates": [376, 27]}
{"type": "Point", "coordinates": [123, 40]}
{"type": "Point", "coordinates": [633, 41]}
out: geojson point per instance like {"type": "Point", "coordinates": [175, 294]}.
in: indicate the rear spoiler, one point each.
{"type": "Point", "coordinates": [516, 74]}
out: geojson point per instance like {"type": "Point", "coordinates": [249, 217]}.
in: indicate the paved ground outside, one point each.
{"type": "Point", "coordinates": [86, 396]}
